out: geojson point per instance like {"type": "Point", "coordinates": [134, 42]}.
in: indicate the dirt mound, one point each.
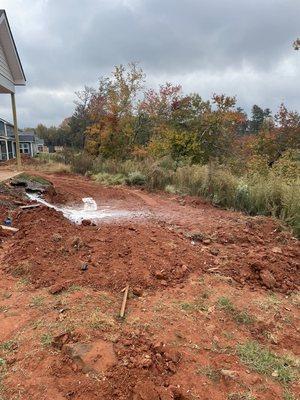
{"type": "Point", "coordinates": [150, 254]}
{"type": "Point", "coordinates": [50, 250]}
{"type": "Point", "coordinates": [135, 368]}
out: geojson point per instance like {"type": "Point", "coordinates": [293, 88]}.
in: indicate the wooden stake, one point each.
{"type": "Point", "coordinates": [30, 206]}
{"type": "Point", "coordinates": [122, 312]}
{"type": "Point", "coordinates": [9, 228]}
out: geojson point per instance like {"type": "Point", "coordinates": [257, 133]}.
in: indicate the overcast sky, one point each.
{"type": "Point", "coordinates": [239, 47]}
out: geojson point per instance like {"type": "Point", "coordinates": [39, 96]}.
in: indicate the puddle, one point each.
{"type": "Point", "coordinates": [89, 210]}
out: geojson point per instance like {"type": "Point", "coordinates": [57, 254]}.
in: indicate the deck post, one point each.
{"type": "Point", "coordinates": [14, 110]}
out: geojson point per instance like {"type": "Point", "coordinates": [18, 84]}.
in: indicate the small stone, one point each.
{"type": "Point", "coordinates": [86, 222]}
{"type": "Point", "coordinates": [159, 274]}
{"type": "Point", "coordinates": [56, 288]}
{"type": "Point", "coordinates": [56, 237]}
{"type": "Point", "coordinates": [84, 267]}
{"type": "Point", "coordinates": [206, 241]}
{"type": "Point", "coordinates": [228, 373]}
{"type": "Point", "coordinates": [172, 355]}
{"type": "Point", "coordinates": [276, 250]}
{"type": "Point", "coordinates": [137, 291]}
{"type": "Point", "coordinates": [214, 251]}
{"type": "Point", "coordinates": [267, 278]}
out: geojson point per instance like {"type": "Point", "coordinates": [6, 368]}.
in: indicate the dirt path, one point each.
{"type": "Point", "coordinates": [6, 175]}
{"type": "Point", "coordinates": [206, 285]}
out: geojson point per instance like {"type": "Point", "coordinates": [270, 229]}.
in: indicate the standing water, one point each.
{"type": "Point", "coordinates": [88, 210]}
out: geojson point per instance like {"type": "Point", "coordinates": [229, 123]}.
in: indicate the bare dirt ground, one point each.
{"type": "Point", "coordinates": [213, 296]}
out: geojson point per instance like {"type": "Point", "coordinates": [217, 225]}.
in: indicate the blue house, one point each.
{"type": "Point", "coordinates": [29, 143]}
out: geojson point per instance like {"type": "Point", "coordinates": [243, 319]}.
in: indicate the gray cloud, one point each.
{"type": "Point", "coordinates": [239, 47]}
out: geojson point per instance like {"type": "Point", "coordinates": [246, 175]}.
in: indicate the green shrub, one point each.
{"type": "Point", "coordinates": [110, 179]}
{"type": "Point", "coordinates": [135, 179]}
{"type": "Point", "coordinates": [82, 163]}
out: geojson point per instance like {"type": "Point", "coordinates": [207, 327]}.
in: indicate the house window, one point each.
{"type": "Point", "coordinates": [2, 131]}
{"type": "Point", "coordinates": [10, 130]}
{"type": "Point", "coordinates": [24, 148]}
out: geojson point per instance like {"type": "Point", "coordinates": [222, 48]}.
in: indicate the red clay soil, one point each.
{"type": "Point", "coordinates": [60, 296]}
{"type": "Point", "coordinates": [153, 252]}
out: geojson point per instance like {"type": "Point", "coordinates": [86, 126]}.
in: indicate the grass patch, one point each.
{"type": "Point", "coordinates": [37, 301]}
{"type": "Point", "coordinates": [287, 395]}
{"type": "Point", "coordinates": [110, 179]}
{"type": "Point", "coordinates": [263, 361]}
{"type": "Point", "coordinates": [34, 178]}
{"type": "Point", "coordinates": [241, 317]}
{"type": "Point", "coordinates": [196, 305]}
{"type": "Point", "coordinates": [98, 320]}
{"type": "Point", "coordinates": [8, 346]}
{"type": "Point", "coordinates": [74, 288]}
{"type": "Point", "coordinates": [46, 340]}
{"type": "Point", "coordinates": [241, 396]}
{"type": "Point", "coordinates": [210, 372]}
{"type": "Point", "coordinates": [224, 303]}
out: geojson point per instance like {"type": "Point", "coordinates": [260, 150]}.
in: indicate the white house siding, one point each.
{"type": "Point", "coordinates": [4, 68]}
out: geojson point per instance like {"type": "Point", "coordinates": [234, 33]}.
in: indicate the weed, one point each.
{"type": "Point", "coordinates": [241, 317]}
{"type": "Point", "coordinates": [37, 324]}
{"type": "Point", "coordinates": [136, 178]}
{"type": "Point", "coordinates": [34, 178]}
{"type": "Point", "coordinates": [225, 304]}
{"type": "Point", "coordinates": [23, 282]}
{"type": "Point", "coordinates": [197, 305]}
{"type": "Point", "coordinates": [270, 302]}
{"type": "Point", "coordinates": [98, 320]}
{"type": "Point", "coordinates": [74, 288]}
{"type": "Point", "coordinates": [37, 301]}
{"type": "Point", "coordinates": [263, 361]}
{"type": "Point", "coordinates": [241, 396]}
{"type": "Point", "coordinates": [8, 346]}
{"type": "Point", "coordinates": [46, 340]}
{"type": "Point", "coordinates": [210, 372]}
{"type": "Point", "coordinates": [110, 179]}
{"type": "Point", "coordinates": [287, 395]}
{"type": "Point", "coordinates": [228, 335]}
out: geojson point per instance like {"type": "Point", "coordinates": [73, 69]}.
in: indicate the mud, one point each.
{"type": "Point", "coordinates": [60, 296]}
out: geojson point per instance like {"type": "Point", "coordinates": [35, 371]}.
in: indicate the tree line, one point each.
{"type": "Point", "coordinates": [121, 119]}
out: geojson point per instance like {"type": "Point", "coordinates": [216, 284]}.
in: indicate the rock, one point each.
{"type": "Point", "coordinates": [214, 251]}
{"type": "Point", "coordinates": [84, 267]}
{"type": "Point", "coordinates": [86, 222]}
{"type": "Point", "coordinates": [76, 242]}
{"type": "Point", "coordinates": [56, 237]}
{"type": "Point", "coordinates": [172, 355]}
{"type": "Point", "coordinates": [159, 274]}
{"type": "Point", "coordinates": [276, 250]}
{"type": "Point", "coordinates": [98, 356]}
{"type": "Point", "coordinates": [228, 373]}
{"type": "Point", "coordinates": [137, 291]}
{"type": "Point", "coordinates": [59, 287]}
{"type": "Point", "coordinates": [206, 241]}
{"type": "Point", "coordinates": [145, 361]}
{"type": "Point", "coordinates": [60, 340]}
{"type": "Point", "coordinates": [267, 278]}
